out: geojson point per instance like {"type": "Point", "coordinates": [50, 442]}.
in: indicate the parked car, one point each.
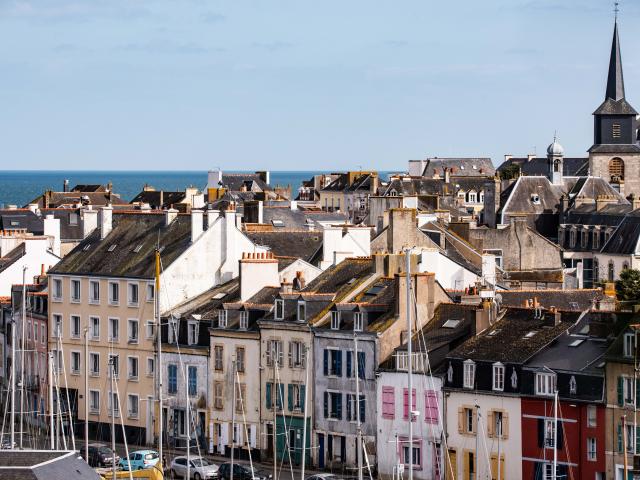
{"type": "Point", "coordinates": [140, 460]}
{"type": "Point", "coordinates": [6, 445]}
{"type": "Point", "coordinates": [322, 476]}
{"type": "Point", "coordinates": [199, 469]}
{"type": "Point", "coordinates": [241, 472]}
{"type": "Point", "coordinates": [99, 455]}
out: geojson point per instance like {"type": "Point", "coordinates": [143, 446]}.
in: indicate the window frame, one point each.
{"type": "Point", "coordinates": [358, 321]}
{"type": "Point", "coordinates": [498, 377]}
{"type": "Point", "coordinates": [335, 320]}
{"type": "Point", "coordinates": [75, 320]}
{"type": "Point", "coordinates": [111, 322]}
{"type": "Point", "coordinates": [130, 323]}
{"type": "Point", "coordinates": [469, 374]}
{"type": "Point", "coordinates": [133, 300]}
{"type": "Point", "coordinates": [72, 287]}
{"type": "Point", "coordinates": [57, 290]}
{"type": "Point", "coordinates": [278, 313]}
{"type": "Point", "coordinates": [545, 381]}
{"type": "Point", "coordinates": [76, 354]}
{"type": "Point", "coordinates": [93, 300]}
{"type": "Point", "coordinates": [133, 360]}
{"type": "Point", "coordinates": [114, 300]}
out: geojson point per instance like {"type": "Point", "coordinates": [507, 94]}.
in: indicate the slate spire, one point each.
{"type": "Point", "coordinates": [615, 80]}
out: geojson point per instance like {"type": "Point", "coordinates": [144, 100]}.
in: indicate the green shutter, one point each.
{"type": "Point", "coordinates": [303, 397]}
{"type": "Point", "coordinates": [620, 392]}
{"type": "Point", "coordinates": [280, 395]}
{"type": "Point", "coordinates": [619, 438]}
{"type": "Point", "coordinates": [637, 394]}
{"type": "Point", "coordinates": [290, 397]}
{"type": "Point", "coordinates": [268, 398]}
{"type": "Point", "coordinates": [637, 439]}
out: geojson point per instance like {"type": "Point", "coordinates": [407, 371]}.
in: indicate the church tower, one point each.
{"type": "Point", "coordinates": [555, 160]}
{"type": "Point", "coordinates": [615, 154]}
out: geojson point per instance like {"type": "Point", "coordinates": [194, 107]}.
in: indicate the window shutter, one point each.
{"type": "Point", "coordinates": [405, 399]}
{"type": "Point", "coordinates": [619, 438]}
{"type": "Point", "coordinates": [505, 428]}
{"type": "Point", "coordinates": [637, 439]}
{"type": "Point", "coordinates": [326, 403]}
{"type": "Point", "coordinates": [303, 354]}
{"type": "Point", "coordinates": [361, 364]}
{"type": "Point", "coordinates": [490, 426]}
{"type": "Point", "coordinates": [303, 396]}
{"type": "Point", "coordinates": [475, 420]}
{"type": "Point", "coordinates": [540, 433]}
{"type": "Point", "coordinates": [290, 354]}
{"type": "Point", "coordinates": [460, 420]}
{"type": "Point", "coordinates": [339, 362]}
{"type": "Point", "coordinates": [348, 364]}
{"type": "Point", "coordinates": [339, 406]}
{"type": "Point", "coordinates": [620, 391]}
{"type": "Point", "coordinates": [268, 398]}
{"type": "Point", "coordinates": [281, 395]}
{"type": "Point", "coordinates": [280, 355]}
{"type": "Point", "coordinates": [349, 414]}
{"type": "Point", "coordinates": [560, 436]}
{"type": "Point", "coordinates": [362, 408]}
{"type": "Point", "coordinates": [465, 465]}
{"type": "Point", "coordinates": [637, 395]}
{"type": "Point", "coordinates": [326, 362]}
{"type": "Point", "coordinates": [290, 394]}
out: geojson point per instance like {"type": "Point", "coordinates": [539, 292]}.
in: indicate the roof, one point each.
{"type": "Point", "coordinates": [284, 217]}
{"type": "Point", "coordinates": [58, 199]}
{"type": "Point", "coordinates": [519, 196]}
{"type": "Point", "coordinates": [360, 182]}
{"type": "Point", "coordinates": [129, 249]}
{"type": "Point", "coordinates": [515, 338]}
{"type": "Point", "coordinates": [340, 278]}
{"type": "Point", "coordinates": [609, 215]}
{"type": "Point", "coordinates": [532, 166]}
{"type": "Point", "coordinates": [566, 300]}
{"type": "Point", "coordinates": [615, 79]}
{"type": "Point", "coordinates": [235, 182]}
{"type": "Point", "coordinates": [44, 465]}
{"type": "Point", "coordinates": [289, 243]}
{"type": "Point", "coordinates": [624, 240]}
{"type": "Point", "coordinates": [208, 302]}
{"type": "Point", "coordinates": [473, 166]}
{"type": "Point", "coordinates": [12, 257]}
{"type": "Point", "coordinates": [159, 199]}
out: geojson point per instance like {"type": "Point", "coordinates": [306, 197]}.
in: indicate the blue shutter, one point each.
{"type": "Point", "coordinates": [303, 397]}
{"type": "Point", "coordinates": [339, 362]}
{"type": "Point", "coordinates": [560, 436]}
{"type": "Point", "coordinates": [338, 398]}
{"type": "Point", "coordinates": [361, 364]}
{"type": "Point", "coordinates": [326, 404]}
{"type": "Point", "coordinates": [620, 392]}
{"type": "Point", "coordinates": [268, 398]}
{"type": "Point", "coordinates": [326, 362]}
{"type": "Point", "coordinates": [362, 408]}
{"type": "Point", "coordinates": [348, 366]}
{"type": "Point", "coordinates": [280, 395]}
{"type": "Point", "coordinates": [290, 392]}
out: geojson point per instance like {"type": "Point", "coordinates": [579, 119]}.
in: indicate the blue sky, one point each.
{"type": "Point", "coordinates": [300, 84]}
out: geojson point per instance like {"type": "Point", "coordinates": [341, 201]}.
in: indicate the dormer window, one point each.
{"type": "Point", "coordinates": [498, 377]}
{"type": "Point", "coordinates": [535, 199]}
{"type": "Point", "coordinates": [192, 332]}
{"type": "Point", "coordinates": [335, 320]}
{"type": "Point", "coordinates": [172, 327]}
{"type": "Point", "coordinates": [279, 309]}
{"type": "Point", "coordinates": [469, 374]}
{"type": "Point", "coordinates": [302, 311]}
{"type": "Point", "coordinates": [244, 320]}
{"type": "Point", "coordinates": [545, 383]}
{"type": "Point", "coordinates": [222, 318]}
{"type": "Point", "coordinates": [628, 347]}
{"type": "Point", "coordinates": [358, 321]}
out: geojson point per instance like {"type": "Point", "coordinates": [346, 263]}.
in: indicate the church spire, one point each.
{"type": "Point", "coordinates": [615, 80]}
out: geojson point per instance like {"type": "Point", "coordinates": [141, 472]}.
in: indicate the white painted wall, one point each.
{"type": "Point", "coordinates": [37, 253]}
{"type": "Point", "coordinates": [336, 245]}
{"type": "Point", "coordinates": [510, 448]}
{"type": "Point", "coordinates": [448, 273]}
{"type": "Point", "coordinates": [310, 272]}
{"type": "Point", "coordinates": [632, 261]}
{"type": "Point", "coordinates": [389, 429]}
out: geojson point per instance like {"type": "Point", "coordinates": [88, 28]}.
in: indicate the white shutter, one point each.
{"type": "Point", "coordinates": [252, 436]}
{"type": "Point", "coordinates": [224, 437]}
{"type": "Point", "coordinates": [211, 437]}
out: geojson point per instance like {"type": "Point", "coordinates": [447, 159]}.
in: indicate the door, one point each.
{"type": "Point", "coordinates": [149, 423]}
{"type": "Point", "coordinates": [293, 451]}
{"type": "Point", "coordinates": [343, 449]}
{"type": "Point", "coordinates": [321, 451]}
{"type": "Point", "coordinates": [269, 440]}
{"type": "Point", "coordinates": [452, 465]}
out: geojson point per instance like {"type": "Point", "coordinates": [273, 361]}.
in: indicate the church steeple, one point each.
{"type": "Point", "coordinates": [615, 79]}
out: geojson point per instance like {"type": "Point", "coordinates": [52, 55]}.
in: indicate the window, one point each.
{"type": "Point", "coordinates": [95, 327]}
{"type": "Point", "coordinates": [615, 130]}
{"type": "Point", "coordinates": [626, 393]}
{"type": "Point", "coordinates": [94, 364]}
{"type": "Point", "coordinates": [629, 345]}
{"type": "Point", "coordinates": [193, 380]}
{"type": "Point", "coordinates": [469, 374]}
{"type": "Point", "coordinates": [222, 318]}
{"type": "Point", "coordinates": [151, 366]}
{"type": "Point", "coordinates": [351, 364]}
{"type": "Point", "coordinates": [592, 454]}
{"type": "Point", "coordinates": [405, 403]}
{"type": "Point", "coordinates": [43, 334]}
{"type": "Point", "coordinates": [415, 451]}
{"type": "Point", "coordinates": [35, 331]}
{"type": "Point", "coordinates": [498, 424]}
{"type": "Point", "coordinates": [172, 328]}
{"type": "Point", "coordinates": [572, 238]}
{"type": "Point", "coordinates": [75, 363]}
{"type": "Point", "coordinates": [333, 362]}
{"type": "Point", "coordinates": [274, 396]}
{"type": "Point", "coordinates": [335, 320]}
{"type": "Point", "coordinates": [133, 330]}
{"type": "Point", "coordinates": [94, 291]}
{"type": "Point", "coordinates": [584, 238]}
{"type": "Point", "coordinates": [352, 412]}
{"type": "Point", "coordinates": [297, 354]}
{"type": "Point", "coordinates": [114, 293]}
{"type": "Point", "coordinates": [388, 403]}
{"type": "Point", "coordinates": [94, 402]}
{"type": "Point", "coordinates": [358, 321]}
{"type": "Point", "coordinates": [192, 332]}
{"type": "Point", "coordinates": [114, 365]}
{"type": "Point", "coordinates": [595, 239]}
{"type": "Point", "coordinates": [274, 351]}
{"type": "Point", "coordinates": [279, 307]}
{"type": "Point", "coordinates": [549, 432]}
{"type": "Point", "coordinates": [596, 270]}
{"type": "Point", "coordinates": [218, 359]}
{"type": "Point", "coordinates": [150, 328]}
{"type": "Point", "coordinates": [57, 326]}
{"type": "Point", "coordinates": [172, 371]}
{"type": "Point", "coordinates": [241, 394]}
{"type": "Point", "coordinates": [151, 289]}
{"type": "Point", "coordinates": [467, 420]}
{"type": "Point", "coordinates": [545, 383]}
{"type": "Point", "coordinates": [114, 329]}
{"type": "Point", "coordinates": [240, 359]}
{"type": "Point", "coordinates": [302, 311]}
{"type": "Point", "coordinates": [296, 397]}
{"type": "Point", "coordinates": [611, 272]}
{"type": "Point", "coordinates": [498, 377]}
{"type": "Point", "coordinates": [592, 416]}
{"type": "Point", "coordinates": [535, 199]}
{"type": "Point", "coordinates": [133, 295]}
{"type": "Point", "coordinates": [333, 405]}
{"type": "Point", "coordinates": [57, 290]}
{"type": "Point", "coordinates": [244, 320]}
{"type": "Point", "coordinates": [218, 400]}
{"type": "Point", "coordinates": [75, 326]}
{"type": "Point", "coordinates": [132, 406]}
{"type": "Point", "coordinates": [133, 368]}
{"type": "Point", "coordinates": [75, 291]}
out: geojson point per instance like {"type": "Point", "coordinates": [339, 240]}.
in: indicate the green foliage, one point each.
{"type": "Point", "coordinates": [509, 172]}
{"type": "Point", "coordinates": [628, 287]}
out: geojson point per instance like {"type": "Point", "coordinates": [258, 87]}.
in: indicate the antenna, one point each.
{"type": "Point", "coordinates": [555, 136]}
{"type": "Point", "coordinates": [616, 10]}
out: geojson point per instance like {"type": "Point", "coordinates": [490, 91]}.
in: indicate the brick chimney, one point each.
{"type": "Point", "coordinates": [257, 270]}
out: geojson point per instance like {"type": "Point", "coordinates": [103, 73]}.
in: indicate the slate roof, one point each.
{"type": "Point", "coordinates": [12, 257]}
{"type": "Point", "coordinates": [59, 199]}
{"type": "Point", "coordinates": [286, 218]}
{"type": "Point", "coordinates": [506, 341]}
{"type": "Point", "coordinates": [594, 187]}
{"type": "Point", "coordinates": [566, 300]}
{"type": "Point", "coordinates": [44, 465]}
{"type": "Point", "coordinates": [152, 197]}
{"type": "Point", "coordinates": [287, 243]}
{"type": "Point", "coordinates": [91, 187]}
{"type": "Point", "coordinates": [339, 279]}
{"type": "Point", "coordinates": [23, 218]}
{"type": "Point", "coordinates": [340, 184]}
{"type": "Point", "coordinates": [251, 181]}
{"type": "Point", "coordinates": [624, 240]}
{"type": "Point", "coordinates": [615, 148]}
{"type": "Point", "coordinates": [478, 166]}
{"type": "Point", "coordinates": [130, 231]}
{"type": "Point", "coordinates": [538, 166]}
{"type": "Point", "coordinates": [518, 198]}
{"type": "Point", "coordinates": [586, 214]}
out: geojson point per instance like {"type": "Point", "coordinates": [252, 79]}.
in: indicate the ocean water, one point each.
{"type": "Point", "coordinates": [19, 187]}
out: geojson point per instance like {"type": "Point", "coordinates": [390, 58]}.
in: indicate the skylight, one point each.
{"type": "Point", "coordinates": [112, 247]}
{"type": "Point", "coordinates": [530, 334]}
{"type": "Point", "coordinates": [87, 247]}
{"type": "Point", "coordinates": [220, 295]}
{"type": "Point", "coordinates": [351, 281]}
{"type": "Point", "coordinates": [277, 223]}
{"type": "Point", "coordinates": [493, 333]}
{"type": "Point", "coordinates": [576, 342]}
{"type": "Point", "coordinates": [376, 289]}
{"type": "Point", "coordinates": [137, 249]}
{"type": "Point", "coordinates": [451, 323]}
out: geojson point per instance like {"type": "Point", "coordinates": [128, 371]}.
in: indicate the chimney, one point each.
{"type": "Point", "coordinates": [214, 179]}
{"type": "Point", "coordinates": [212, 216]}
{"type": "Point", "coordinates": [299, 282]}
{"type": "Point", "coordinates": [161, 202]}
{"type": "Point", "coordinates": [257, 270]}
{"type": "Point", "coordinates": [286, 287]}
{"type": "Point", "coordinates": [106, 221]}
{"type": "Point", "coordinates": [447, 175]}
{"type": "Point", "coordinates": [89, 221]}
{"type": "Point", "coordinates": [552, 318]}
{"type": "Point", "coordinates": [52, 229]}
{"type": "Point", "coordinates": [33, 207]}
{"type": "Point", "coordinates": [635, 202]}
{"type": "Point", "coordinates": [169, 216]}
{"type": "Point", "coordinates": [197, 217]}
{"type": "Point", "coordinates": [65, 185]}
{"type": "Point", "coordinates": [531, 156]}
{"type": "Point", "coordinates": [260, 211]}
{"type": "Point", "coordinates": [293, 205]}
{"type": "Point", "coordinates": [508, 157]}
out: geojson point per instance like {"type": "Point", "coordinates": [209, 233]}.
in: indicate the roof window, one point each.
{"type": "Point", "coordinates": [137, 249]}
{"type": "Point", "coordinates": [112, 247]}
{"type": "Point", "coordinates": [576, 342]}
{"type": "Point", "coordinates": [451, 323]}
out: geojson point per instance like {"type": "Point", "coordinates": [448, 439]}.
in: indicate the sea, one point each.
{"type": "Point", "coordinates": [19, 187]}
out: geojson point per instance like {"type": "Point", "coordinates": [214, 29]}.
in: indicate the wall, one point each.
{"type": "Point", "coordinates": [36, 255]}
{"type": "Point", "coordinates": [599, 167]}
{"type": "Point", "coordinates": [341, 242]}
{"type": "Point", "coordinates": [618, 262]}
{"type": "Point", "coordinates": [449, 274]}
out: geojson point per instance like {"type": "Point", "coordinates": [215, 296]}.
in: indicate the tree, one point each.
{"type": "Point", "coordinates": [509, 172]}
{"type": "Point", "coordinates": [628, 287]}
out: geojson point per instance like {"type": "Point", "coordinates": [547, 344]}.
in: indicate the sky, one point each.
{"type": "Point", "coordinates": [301, 84]}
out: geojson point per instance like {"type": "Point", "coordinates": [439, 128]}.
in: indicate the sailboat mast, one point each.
{"type": "Point", "coordinates": [23, 323]}
{"type": "Point", "coordinates": [304, 426]}
{"type": "Point", "coordinates": [555, 435]}
{"type": "Point", "coordinates": [357, 406]}
{"type": "Point", "coordinates": [51, 424]}
{"type": "Point", "coordinates": [274, 359]}
{"type": "Point", "coordinates": [409, 362]}
{"type": "Point", "coordinates": [13, 382]}
{"type": "Point", "coordinates": [113, 419]}
{"type": "Point", "coordinates": [159, 363]}
{"type": "Point", "coordinates": [233, 420]}
{"type": "Point", "coordinates": [86, 393]}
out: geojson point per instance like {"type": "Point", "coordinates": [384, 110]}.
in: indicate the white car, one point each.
{"type": "Point", "coordinates": [199, 468]}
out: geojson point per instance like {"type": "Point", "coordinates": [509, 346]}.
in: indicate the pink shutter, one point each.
{"type": "Point", "coordinates": [388, 402]}
{"type": "Point", "coordinates": [405, 401]}
{"type": "Point", "coordinates": [431, 407]}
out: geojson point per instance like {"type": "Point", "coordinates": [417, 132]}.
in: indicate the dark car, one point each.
{"type": "Point", "coordinates": [99, 455]}
{"type": "Point", "coordinates": [240, 472]}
